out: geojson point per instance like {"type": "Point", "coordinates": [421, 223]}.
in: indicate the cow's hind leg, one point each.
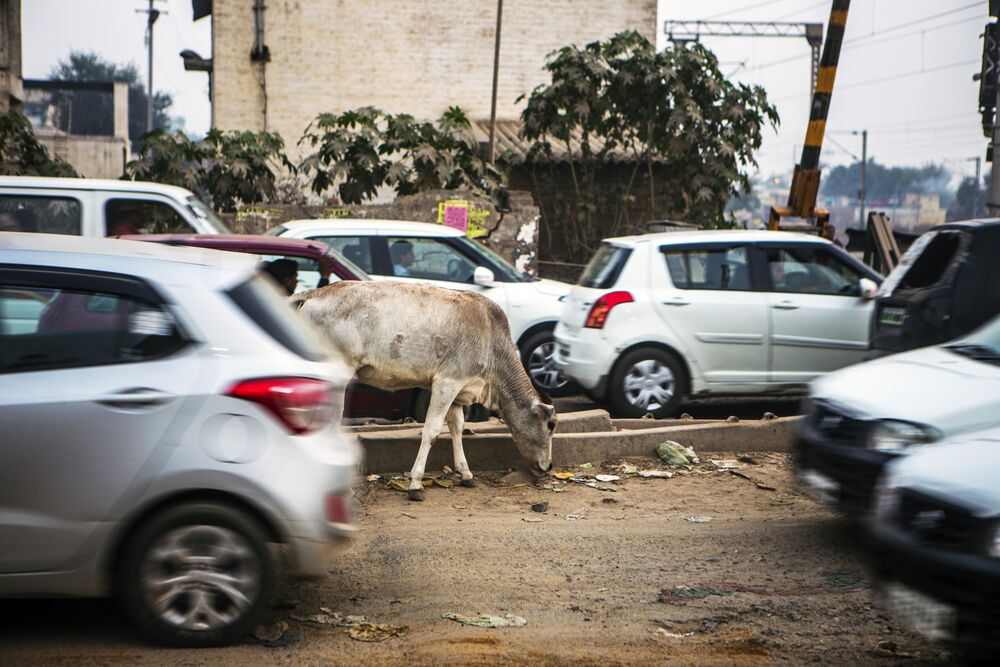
{"type": "Point", "coordinates": [442, 396]}
{"type": "Point", "coordinates": [456, 424]}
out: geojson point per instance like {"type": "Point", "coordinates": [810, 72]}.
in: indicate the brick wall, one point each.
{"type": "Point", "coordinates": [417, 57]}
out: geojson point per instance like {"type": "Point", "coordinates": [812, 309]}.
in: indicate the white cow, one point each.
{"type": "Point", "coordinates": [457, 344]}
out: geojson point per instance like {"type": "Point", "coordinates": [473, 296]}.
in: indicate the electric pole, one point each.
{"type": "Point", "coordinates": [151, 15]}
{"type": "Point", "coordinates": [496, 72]}
{"type": "Point", "coordinates": [863, 193]}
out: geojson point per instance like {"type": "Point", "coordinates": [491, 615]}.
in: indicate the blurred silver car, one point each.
{"type": "Point", "coordinates": [163, 416]}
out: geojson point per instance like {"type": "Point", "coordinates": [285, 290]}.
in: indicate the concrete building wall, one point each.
{"type": "Point", "coordinates": [92, 157]}
{"type": "Point", "coordinates": [11, 84]}
{"type": "Point", "coordinates": [399, 55]}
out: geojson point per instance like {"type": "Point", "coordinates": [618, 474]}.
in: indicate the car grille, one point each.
{"type": "Point", "coordinates": [936, 523]}
{"type": "Point", "coordinates": [837, 426]}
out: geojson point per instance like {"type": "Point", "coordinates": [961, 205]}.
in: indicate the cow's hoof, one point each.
{"type": "Point", "coordinates": [415, 494]}
{"type": "Point", "coordinates": [468, 483]}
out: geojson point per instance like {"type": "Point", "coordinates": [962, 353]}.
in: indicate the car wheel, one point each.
{"type": "Point", "coordinates": [197, 574]}
{"type": "Point", "coordinates": [538, 357]}
{"type": "Point", "coordinates": [646, 381]}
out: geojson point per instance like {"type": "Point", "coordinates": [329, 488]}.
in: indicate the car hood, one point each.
{"type": "Point", "coordinates": [963, 471]}
{"type": "Point", "coordinates": [928, 386]}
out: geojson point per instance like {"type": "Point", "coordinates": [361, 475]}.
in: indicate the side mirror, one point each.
{"type": "Point", "coordinates": [483, 276]}
{"type": "Point", "coordinates": [868, 288]}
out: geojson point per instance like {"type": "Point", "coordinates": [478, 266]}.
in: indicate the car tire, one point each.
{"type": "Point", "coordinates": [209, 566]}
{"type": "Point", "coordinates": [537, 357]}
{"type": "Point", "coordinates": [647, 381]}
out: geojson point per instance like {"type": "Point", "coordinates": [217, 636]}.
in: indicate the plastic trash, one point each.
{"type": "Point", "coordinates": [487, 620]}
{"type": "Point", "coordinates": [607, 478]}
{"type": "Point", "coordinates": [656, 473]}
{"type": "Point", "coordinates": [676, 455]}
{"type": "Point", "coordinates": [376, 632]}
{"type": "Point", "coordinates": [697, 519]}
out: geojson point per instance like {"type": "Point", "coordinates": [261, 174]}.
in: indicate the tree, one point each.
{"type": "Point", "coordinates": [685, 131]}
{"type": "Point", "coordinates": [22, 155]}
{"type": "Point", "coordinates": [969, 202]}
{"type": "Point", "coordinates": [886, 183]}
{"type": "Point", "coordinates": [91, 112]}
{"type": "Point", "coordinates": [224, 168]}
{"type": "Point", "coordinates": [362, 150]}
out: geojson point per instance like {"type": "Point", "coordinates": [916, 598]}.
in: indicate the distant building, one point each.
{"type": "Point", "coordinates": [277, 65]}
{"type": "Point", "coordinates": [11, 84]}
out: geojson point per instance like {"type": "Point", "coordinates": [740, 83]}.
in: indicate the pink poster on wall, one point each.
{"type": "Point", "coordinates": [457, 217]}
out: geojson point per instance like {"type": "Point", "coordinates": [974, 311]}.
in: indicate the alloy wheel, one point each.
{"type": "Point", "coordinates": [542, 368]}
{"type": "Point", "coordinates": [649, 385]}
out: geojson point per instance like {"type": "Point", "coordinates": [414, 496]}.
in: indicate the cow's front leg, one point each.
{"type": "Point", "coordinates": [456, 424]}
{"type": "Point", "coordinates": [442, 396]}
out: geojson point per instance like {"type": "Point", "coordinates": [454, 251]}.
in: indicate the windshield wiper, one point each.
{"type": "Point", "coordinates": [973, 351]}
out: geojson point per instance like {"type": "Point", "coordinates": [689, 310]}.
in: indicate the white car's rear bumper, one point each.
{"type": "Point", "coordinates": [585, 356]}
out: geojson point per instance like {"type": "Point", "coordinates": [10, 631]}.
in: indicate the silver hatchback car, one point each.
{"type": "Point", "coordinates": [163, 417]}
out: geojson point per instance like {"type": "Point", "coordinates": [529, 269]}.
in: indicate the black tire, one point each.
{"type": "Point", "coordinates": [624, 399]}
{"type": "Point", "coordinates": [198, 525]}
{"type": "Point", "coordinates": [531, 353]}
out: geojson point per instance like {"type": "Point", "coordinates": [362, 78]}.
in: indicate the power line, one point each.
{"type": "Point", "coordinates": [781, 61]}
{"type": "Point", "coordinates": [745, 8]}
{"type": "Point", "coordinates": [825, 3]}
{"type": "Point", "coordinates": [891, 77]}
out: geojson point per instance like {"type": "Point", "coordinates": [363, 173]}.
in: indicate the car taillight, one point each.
{"type": "Point", "coordinates": [599, 312]}
{"type": "Point", "coordinates": [301, 404]}
{"type": "Point", "coordinates": [338, 509]}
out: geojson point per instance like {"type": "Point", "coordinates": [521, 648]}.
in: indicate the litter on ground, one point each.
{"type": "Point", "coordinates": [488, 620]}
{"type": "Point", "coordinates": [676, 455]}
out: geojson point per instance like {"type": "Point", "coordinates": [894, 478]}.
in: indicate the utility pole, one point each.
{"type": "Point", "coordinates": [863, 193]}
{"type": "Point", "coordinates": [496, 71]}
{"type": "Point", "coordinates": [151, 15]}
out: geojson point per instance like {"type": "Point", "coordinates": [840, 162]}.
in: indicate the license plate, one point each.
{"type": "Point", "coordinates": [892, 316]}
{"type": "Point", "coordinates": [927, 616]}
{"type": "Point", "coordinates": [819, 487]}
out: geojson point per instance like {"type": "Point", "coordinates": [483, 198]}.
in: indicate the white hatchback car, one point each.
{"type": "Point", "coordinates": [163, 416]}
{"type": "Point", "coordinates": [425, 252]}
{"type": "Point", "coordinates": [658, 317]}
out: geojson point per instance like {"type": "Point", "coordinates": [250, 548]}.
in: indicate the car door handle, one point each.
{"type": "Point", "coordinates": [785, 305]}
{"type": "Point", "coordinates": [676, 302]}
{"type": "Point", "coordinates": [136, 398]}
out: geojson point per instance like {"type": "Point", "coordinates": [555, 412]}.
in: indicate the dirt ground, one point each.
{"type": "Point", "coordinates": [782, 580]}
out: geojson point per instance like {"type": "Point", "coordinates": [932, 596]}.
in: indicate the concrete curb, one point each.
{"type": "Point", "coordinates": [395, 450]}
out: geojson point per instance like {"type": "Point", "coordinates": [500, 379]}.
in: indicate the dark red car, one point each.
{"type": "Point", "coordinates": [362, 400]}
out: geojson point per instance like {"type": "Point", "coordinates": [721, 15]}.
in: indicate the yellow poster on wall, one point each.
{"type": "Point", "coordinates": [461, 215]}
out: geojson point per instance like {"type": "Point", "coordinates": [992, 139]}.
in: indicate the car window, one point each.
{"type": "Point", "coordinates": [308, 277]}
{"type": "Point", "coordinates": [48, 215]}
{"type": "Point", "coordinates": [43, 328]}
{"type": "Point", "coordinates": [605, 266]}
{"type": "Point", "coordinates": [264, 305]}
{"type": "Point", "coordinates": [810, 270]}
{"type": "Point", "coordinates": [142, 216]}
{"type": "Point", "coordinates": [713, 269]}
{"type": "Point", "coordinates": [357, 249]}
{"type": "Point", "coordinates": [429, 259]}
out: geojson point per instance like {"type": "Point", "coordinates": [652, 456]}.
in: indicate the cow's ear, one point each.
{"type": "Point", "coordinates": [542, 410]}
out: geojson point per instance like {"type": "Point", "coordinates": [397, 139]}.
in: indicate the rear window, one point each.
{"type": "Point", "coordinates": [46, 215]}
{"type": "Point", "coordinates": [264, 305]}
{"type": "Point", "coordinates": [604, 268]}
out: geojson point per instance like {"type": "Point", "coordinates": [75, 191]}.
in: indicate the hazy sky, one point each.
{"type": "Point", "coordinates": [905, 70]}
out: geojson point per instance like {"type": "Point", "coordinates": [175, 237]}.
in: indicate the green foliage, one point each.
{"type": "Point", "coordinates": [671, 115]}
{"type": "Point", "coordinates": [969, 202]}
{"type": "Point", "coordinates": [886, 183]}
{"type": "Point", "coordinates": [22, 155]}
{"type": "Point", "coordinates": [225, 168]}
{"type": "Point", "coordinates": [90, 112]}
{"type": "Point", "coordinates": [362, 150]}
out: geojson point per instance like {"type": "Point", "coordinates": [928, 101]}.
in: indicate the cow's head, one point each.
{"type": "Point", "coordinates": [532, 430]}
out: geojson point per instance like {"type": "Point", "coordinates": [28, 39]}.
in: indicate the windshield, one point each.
{"type": "Point", "coordinates": [983, 344]}
{"type": "Point", "coordinates": [206, 215]}
{"type": "Point", "coordinates": [509, 272]}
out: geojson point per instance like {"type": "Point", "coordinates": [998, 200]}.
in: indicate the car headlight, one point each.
{"type": "Point", "coordinates": [895, 436]}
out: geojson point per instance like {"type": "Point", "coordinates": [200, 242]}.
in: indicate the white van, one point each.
{"type": "Point", "coordinates": [96, 207]}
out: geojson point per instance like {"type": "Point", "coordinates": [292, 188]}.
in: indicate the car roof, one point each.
{"type": "Point", "coordinates": [264, 245]}
{"type": "Point", "coordinates": [381, 226]}
{"type": "Point", "coordinates": [50, 183]}
{"type": "Point", "coordinates": [717, 236]}
{"type": "Point", "coordinates": [194, 267]}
